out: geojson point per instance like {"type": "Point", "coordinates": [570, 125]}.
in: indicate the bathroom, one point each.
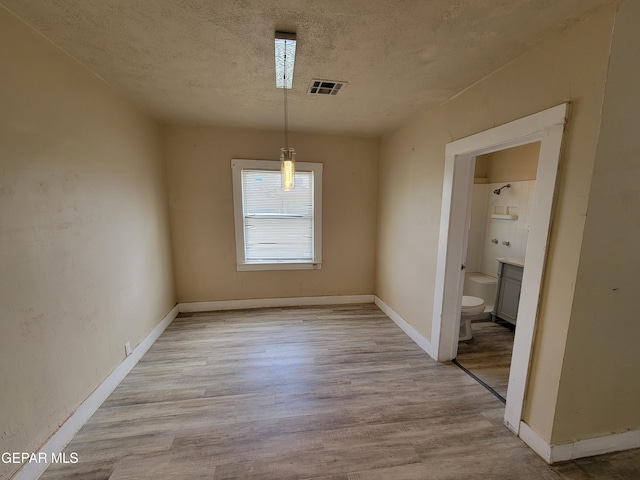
{"type": "Point", "coordinates": [502, 201]}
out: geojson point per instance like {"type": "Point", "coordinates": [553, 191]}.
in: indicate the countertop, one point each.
{"type": "Point", "coordinates": [518, 262]}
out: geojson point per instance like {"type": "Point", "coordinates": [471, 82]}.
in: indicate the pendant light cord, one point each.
{"type": "Point", "coordinates": [284, 87]}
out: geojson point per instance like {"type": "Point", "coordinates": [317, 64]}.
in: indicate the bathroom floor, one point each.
{"type": "Point", "coordinates": [488, 354]}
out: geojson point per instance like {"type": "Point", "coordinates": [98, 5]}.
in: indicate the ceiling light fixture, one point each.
{"type": "Point", "coordinates": [285, 57]}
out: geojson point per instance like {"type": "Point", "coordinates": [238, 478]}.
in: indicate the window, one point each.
{"type": "Point", "coordinates": [277, 230]}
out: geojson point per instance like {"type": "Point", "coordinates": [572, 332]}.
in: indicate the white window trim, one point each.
{"type": "Point", "coordinates": [237, 165]}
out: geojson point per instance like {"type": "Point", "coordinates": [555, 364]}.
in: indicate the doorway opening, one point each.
{"type": "Point", "coordinates": [546, 127]}
{"type": "Point", "coordinates": [501, 205]}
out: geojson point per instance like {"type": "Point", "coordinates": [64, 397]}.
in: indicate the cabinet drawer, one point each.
{"type": "Point", "coordinates": [512, 271]}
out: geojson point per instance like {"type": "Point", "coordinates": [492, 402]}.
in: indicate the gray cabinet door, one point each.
{"type": "Point", "coordinates": [508, 292]}
{"type": "Point", "coordinates": [509, 297]}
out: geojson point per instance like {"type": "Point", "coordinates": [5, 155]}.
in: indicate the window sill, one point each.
{"type": "Point", "coordinates": [245, 267]}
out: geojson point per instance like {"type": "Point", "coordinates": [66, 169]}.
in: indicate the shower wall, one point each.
{"type": "Point", "coordinates": [516, 166]}
{"type": "Point", "coordinates": [517, 200]}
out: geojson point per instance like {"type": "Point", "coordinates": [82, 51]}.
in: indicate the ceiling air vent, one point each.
{"type": "Point", "coordinates": [325, 87]}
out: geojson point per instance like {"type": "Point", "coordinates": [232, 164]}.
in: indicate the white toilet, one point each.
{"type": "Point", "coordinates": [472, 308]}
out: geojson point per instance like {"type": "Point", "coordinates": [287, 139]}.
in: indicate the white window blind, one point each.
{"type": "Point", "coordinates": [278, 226]}
{"type": "Point", "coordinates": [277, 230]}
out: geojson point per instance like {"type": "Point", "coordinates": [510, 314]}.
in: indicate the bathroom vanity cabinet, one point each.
{"type": "Point", "coordinates": [508, 289]}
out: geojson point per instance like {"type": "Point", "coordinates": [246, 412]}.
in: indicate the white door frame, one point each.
{"type": "Point", "coordinates": [546, 127]}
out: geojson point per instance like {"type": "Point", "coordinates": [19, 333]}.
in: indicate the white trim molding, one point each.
{"type": "Point", "coordinates": [538, 444]}
{"type": "Point", "coordinates": [191, 307]}
{"type": "Point", "coordinates": [68, 429]}
{"type": "Point", "coordinates": [589, 447]}
{"type": "Point", "coordinates": [546, 127]}
{"type": "Point", "coordinates": [418, 338]}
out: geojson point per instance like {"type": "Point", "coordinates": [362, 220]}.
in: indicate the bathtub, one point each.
{"type": "Point", "coordinates": [478, 284]}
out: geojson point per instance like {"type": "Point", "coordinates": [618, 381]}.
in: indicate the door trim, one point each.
{"type": "Point", "coordinates": [546, 127]}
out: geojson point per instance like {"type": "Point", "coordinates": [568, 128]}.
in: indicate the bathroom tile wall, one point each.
{"type": "Point", "coordinates": [481, 252]}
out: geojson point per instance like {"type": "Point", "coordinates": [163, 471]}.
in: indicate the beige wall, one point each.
{"type": "Point", "coordinates": [202, 228]}
{"type": "Point", "coordinates": [84, 252]}
{"type": "Point", "coordinates": [510, 165]}
{"type": "Point", "coordinates": [572, 67]}
{"type": "Point", "coordinates": [600, 389]}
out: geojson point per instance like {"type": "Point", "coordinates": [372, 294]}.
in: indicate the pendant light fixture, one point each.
{"type": "Point", "coordinates": [285, 58]}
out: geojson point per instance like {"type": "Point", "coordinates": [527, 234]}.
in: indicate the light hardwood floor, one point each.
{"type": "Point", "coordinates": [488, 354]}
{"type": "Point", "coordinates": [336, 393]}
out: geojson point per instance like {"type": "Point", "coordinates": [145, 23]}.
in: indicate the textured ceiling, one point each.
{"type": "Point", "coordinates": [211, 62]}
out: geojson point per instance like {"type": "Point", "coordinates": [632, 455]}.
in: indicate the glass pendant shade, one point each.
{"type": "Point", "coordinates": [288, 168]}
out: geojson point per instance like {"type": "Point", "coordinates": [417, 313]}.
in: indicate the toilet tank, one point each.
{"type": "Point", "coordinates": [478, 284]}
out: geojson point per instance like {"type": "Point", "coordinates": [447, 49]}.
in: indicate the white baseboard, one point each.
{"type": "Point", "coordinates": [59, 439]}
{"type": "Point", "coordinates": [422, 342]}
{"type": "Point", "coordinates": [582, 448]}
{"type": "Point", "coordinates": [538, 444]}
{"type": "Point", "coordinates": [192, 307]}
